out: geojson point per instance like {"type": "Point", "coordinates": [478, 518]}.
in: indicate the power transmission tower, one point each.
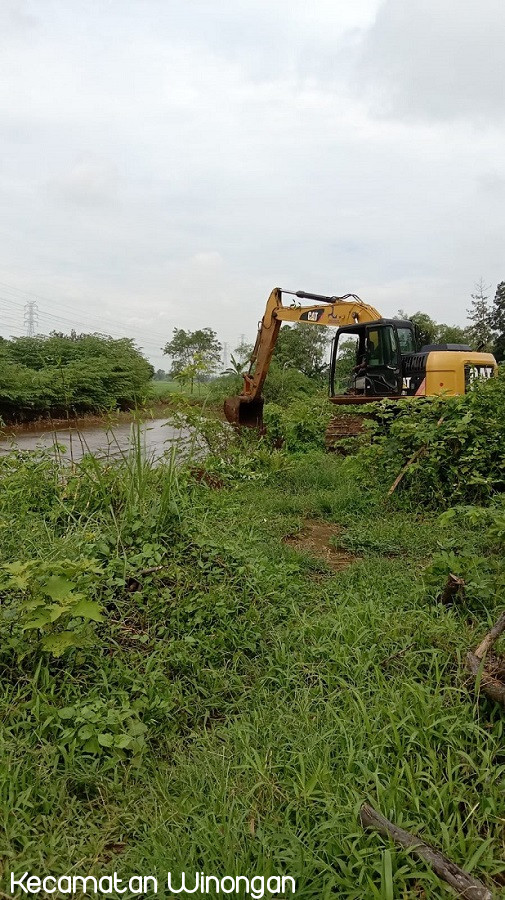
{"type": "Point", "coordinates": [31, 317]}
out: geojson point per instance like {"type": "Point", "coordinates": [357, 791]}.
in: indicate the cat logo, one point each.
{"type": "Point", "coordinates": [312, 315]}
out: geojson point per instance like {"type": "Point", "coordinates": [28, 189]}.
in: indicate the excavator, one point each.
{"type": "Point", "coordinates": [372, 358]}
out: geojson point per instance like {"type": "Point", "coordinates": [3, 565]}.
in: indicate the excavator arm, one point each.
{"type": "Point", "coordinates": [247, 407]}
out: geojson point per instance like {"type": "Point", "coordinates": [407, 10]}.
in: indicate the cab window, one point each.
{"type": "Point", "coordinates": [381, 347]}
{"type": "Point", "coordinates": [390, 347]}
{"type": "Point", "coordinates": [374, 355]}
{"type": "Point", "coordinates": [406, 340]}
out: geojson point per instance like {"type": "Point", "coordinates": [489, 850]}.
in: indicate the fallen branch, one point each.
{"type": "Point", "coordinates": [453, 586]}
{"type": "Point", "coordinates": [415, 456]}
{"type": "Point", "coordinates": [466, 886]}
{"type": "Point", "coordinates": [489, 685]}
{"type": "Point", "coordinates": [491, 637]}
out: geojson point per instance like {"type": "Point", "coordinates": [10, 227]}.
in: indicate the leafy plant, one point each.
{"type": "Point", "coordinates": [103, 727]}
{"type": "Point", "coordinates": [453, 446]}
{"type": "Point", "coordinates": [483, 572]}
{"type": "Point", "coordinates": [299, 427]}
{"type": "Point", "coordinates": [43, 604]}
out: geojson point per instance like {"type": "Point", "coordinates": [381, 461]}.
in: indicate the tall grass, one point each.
{"type": "Point", "coordinates": [264, 696]}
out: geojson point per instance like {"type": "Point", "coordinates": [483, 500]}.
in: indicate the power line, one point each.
{"type": "Point", "coordinates": [147, 336]}
{"type": "Point", "coordinates": [147, 341]}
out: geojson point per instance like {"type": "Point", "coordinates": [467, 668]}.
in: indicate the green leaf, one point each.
{"type": "Point", "coordinates": [19, 581]}
{"type": "Point", "coordinates": [55, 611]}
{"type": "Point", "coordinates": [88, 609]}
{"type": "Point", "coordinates": [17, 567]}
{"type": "Point", "coordinates": [122, 741]}
{"type": "Point", "coordinates": [58, 643]}
{"type": "Point", "coordinates": [40, 619]}
{"type": "Point", "coordinates": [58, 588]}
{"type": "Point", "coordinates": [67, 712]}
{"type": "Point", "coordinates": [85, 732]}
{"type": "Point", "coordinates": [105, 740]}
{"type": "Point", "coordinates": [136, 727]}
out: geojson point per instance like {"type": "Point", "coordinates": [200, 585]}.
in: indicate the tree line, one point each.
{"type": "Point", "coordinates": [80, 373]}
{"type": "Point", "coordinates": [74, 373]}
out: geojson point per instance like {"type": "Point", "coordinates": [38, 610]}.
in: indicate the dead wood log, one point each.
{"type": "Point", "coordinates": [465, 885]}
{"type": "Point", "coordinates": [453, 586]}
{"type": "Point", "coordinates": [491, 637]}
{"type": "Point", "coordinates": [489, 685]}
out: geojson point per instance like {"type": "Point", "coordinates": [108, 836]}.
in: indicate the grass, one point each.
{"type": "Point", "coordinates": [159, 390]}
{"type": "Point", "coordinates": [275, 695]}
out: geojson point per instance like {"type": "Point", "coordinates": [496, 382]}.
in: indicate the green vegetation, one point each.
{"type": "Point", "coordinates": [223, 699]}
{"type": "Point", "coordinates": [454, 445]}
{"type": "Point", "coordinates": [160, 391]}
{"type": "Point", "coordinates": [195, 355]}
{"type": "Point", "coordinates": [60, 375]}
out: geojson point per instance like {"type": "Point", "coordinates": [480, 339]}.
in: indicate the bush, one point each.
{"type": "Point", "coordinates": [283, 385]}
{"type": "Point", "coordinates": [299, 426]}
{"type": "Point", "coordinates": [456, 445]}
{"type": "Point", "coordinates": [80, 373]}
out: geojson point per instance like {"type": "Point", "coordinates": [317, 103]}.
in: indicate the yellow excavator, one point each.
{"type": "Point", "coordinates": [372, 358]}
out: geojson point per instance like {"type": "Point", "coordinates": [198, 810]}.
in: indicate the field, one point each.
{"type": "Point", "coordinates": [259, 651]}
{"type": "Point", "coordinates": [160, 389]}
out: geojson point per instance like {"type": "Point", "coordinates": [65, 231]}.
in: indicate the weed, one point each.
{"type": "Point", "coordinates": [234, 711]}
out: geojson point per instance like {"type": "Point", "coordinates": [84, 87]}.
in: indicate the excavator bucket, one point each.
{"type": "Point", "coordinates": [242, 411]}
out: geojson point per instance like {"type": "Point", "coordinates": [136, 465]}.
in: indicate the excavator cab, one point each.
{"type": "Point", "coordinates": [366, 359]}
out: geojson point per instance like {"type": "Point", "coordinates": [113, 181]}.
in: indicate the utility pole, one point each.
{"type": "Point", "coordinates": [225, 355]}
{"type": "Point", "coordinates": [31, 317]}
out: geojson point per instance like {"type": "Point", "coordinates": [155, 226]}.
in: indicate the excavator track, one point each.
{"type": "Point", "coordinates": [343, 432]}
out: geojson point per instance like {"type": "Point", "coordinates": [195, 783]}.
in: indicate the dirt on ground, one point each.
{"type": "Point", "coordinates": [317, 538]}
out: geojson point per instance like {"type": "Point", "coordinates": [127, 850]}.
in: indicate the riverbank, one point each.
{"type": "Point", "coordinates": [246, 657]}
{"type": "Point", "coordinates": [154, 409]}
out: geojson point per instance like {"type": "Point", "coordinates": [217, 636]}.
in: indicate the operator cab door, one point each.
{"type": "Point", "coordinates": [382, 368]}
{"type": "Point", "coordinates": [366, 361]}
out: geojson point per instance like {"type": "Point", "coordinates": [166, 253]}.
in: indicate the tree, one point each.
{"type": "Point", "coordinates": [193, 371]}
{"type": "Point", "coordinates": [243, 353]}
{"type": "Point", "coordinates": [451, 334]}
{"type": "Point", "coordinates": [199, 350]}
{"type": "Point", "coordinates": [498, 320]}
{"type": "Point", "coordinates": [426, 326]}
{"type": "Point", "coordinates": [302, 347]}
{"type": "Point", "coordinates": [76, 372]}
{"type": "Point", "coordinates": [480, 334]}
{"type": "Point", "coordinates": [236, 366]}
{"type": "Point", "coordinates": [431, 332]}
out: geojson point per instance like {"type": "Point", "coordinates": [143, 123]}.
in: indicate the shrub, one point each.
{"type": "Point", "coordinates": [299, 426]}
{"type": "Point", "coordinates": [456, 445]}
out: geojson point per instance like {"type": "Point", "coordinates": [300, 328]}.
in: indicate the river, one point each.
{"type": "Point", "coordinates": [157, 437]}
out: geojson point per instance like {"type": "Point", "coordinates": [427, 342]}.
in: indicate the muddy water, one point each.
{"type": "Point", "coordinates": [157, 437]}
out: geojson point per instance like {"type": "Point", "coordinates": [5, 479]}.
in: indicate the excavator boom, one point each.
{"type": "Point", "coordinates": [247, 407]}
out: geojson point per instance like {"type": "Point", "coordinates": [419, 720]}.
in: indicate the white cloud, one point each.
{"type": "Point", "coordinates": [437, 59]}
{"type": "Point", "coordinates": [167, 164]}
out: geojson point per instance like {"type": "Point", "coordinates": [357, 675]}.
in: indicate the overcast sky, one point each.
{"type": "Point", "coordinates": [167, 162]}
